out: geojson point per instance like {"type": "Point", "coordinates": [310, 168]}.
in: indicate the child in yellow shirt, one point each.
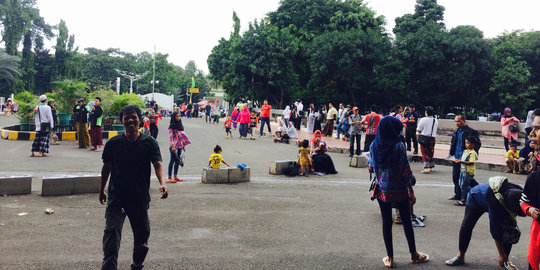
{"type": "Point", "coordinates": [304, 161]}
{"type": "Point", "coordinates": [511, 159]}
{"type": "Point", "coordinates": [216, 159]}
{"type": "Point", "coordinates": [468, 169]}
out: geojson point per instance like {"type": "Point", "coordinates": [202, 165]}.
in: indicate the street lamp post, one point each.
{"type": "Point", "coordinates": [132, 77]}
{"type": "Point", "coordinates": [154, 73]}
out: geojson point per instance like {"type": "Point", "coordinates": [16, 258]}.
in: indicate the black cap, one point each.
{"type": "Point", "coordinates": [82, 99]}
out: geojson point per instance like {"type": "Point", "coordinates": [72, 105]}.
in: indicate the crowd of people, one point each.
{"type": "Point", "coordinates": [387, 139]}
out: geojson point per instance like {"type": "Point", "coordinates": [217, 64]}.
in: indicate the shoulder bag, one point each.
{"type": "Point", "coordinates": [423, 139]}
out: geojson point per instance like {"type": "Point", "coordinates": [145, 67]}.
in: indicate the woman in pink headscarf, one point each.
{"type": "Point", "coordinates": [243, 119]}
{"type": "Point", "coordinates": [510, 127]}
{"type": "Point", "coordinates": [234, 116]}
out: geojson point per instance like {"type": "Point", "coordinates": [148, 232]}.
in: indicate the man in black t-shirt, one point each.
{"type": "Point", "coordinates": [127, 158]}
{"type": "Point", "coordinates": [410, 131]}
{"type": "Point", "coordinates": [207, 111]}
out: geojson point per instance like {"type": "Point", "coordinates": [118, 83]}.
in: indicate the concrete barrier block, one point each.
{"type": "Point", "coordinates": [280, 167]}
{"type": "Point", "coordinates": [358, 161]}
{"type": "Point", "coordinates": [236, 175]}
{"type": "Point", "coordinates": [215, 176]}
{"type": "Point", "coordinates": [15, 185]}
{"type": "Point", "coordinates": [67, 185]}
{"type": "Point", "coordinates": [87, 184]}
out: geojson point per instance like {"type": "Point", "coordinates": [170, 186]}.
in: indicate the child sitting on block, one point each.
{"type": "Point", "coordinates": [216, 159]}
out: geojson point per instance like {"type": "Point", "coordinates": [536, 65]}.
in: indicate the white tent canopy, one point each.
{"type": "Point", "coordinates": [165, 101]}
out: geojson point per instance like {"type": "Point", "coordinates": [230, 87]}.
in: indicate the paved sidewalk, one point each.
{"type": "Point", "coordinates": [487, 155]}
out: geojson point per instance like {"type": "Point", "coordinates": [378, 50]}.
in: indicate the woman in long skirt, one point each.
{"type": "Point", "coordinates": [311, 118]}
{"type": "Point", "coordinates": [234, 117]}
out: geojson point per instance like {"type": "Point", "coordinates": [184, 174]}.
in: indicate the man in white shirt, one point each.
{"type": "Point", "coordinates": [44, 124]}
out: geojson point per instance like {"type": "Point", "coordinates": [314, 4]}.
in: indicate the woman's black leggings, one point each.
{"type": "Point", "coordinates": [467, 225]}
{"type": "Point", "coordinates": [506, 143]}
{"type": "Point", "coordinates": [404, 212]}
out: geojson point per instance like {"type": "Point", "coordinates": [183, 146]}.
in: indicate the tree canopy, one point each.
{"type": "Point", "coordinates": [338, 51]}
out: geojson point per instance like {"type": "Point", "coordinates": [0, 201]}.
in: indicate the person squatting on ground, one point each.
{"type": "Point", "coordinates": [526, 157]}
{"type": "Point", "coordinates": [127, 159]}
{"type": "Point", "coordinates": [44, 125]}
{"type": "Point", "coordinates": [511, 158]}
{"type": "Point", "coordinates": [530, 200]}
{"type": "Point", "coordinates": [468, 169]}
{"type": "Point", "coordinates": [392, 186]}
{"type": "Point", "coordinates": [177, 147]}
{"type": "Point", "coordinates": [457, 146]}
{"type": "Point", "coordinates": [426, 132]}
{"type": "Point", "coordinates": [96, 116]}
{"type": "Point", "coordinates": [216, 159]}
{"type": "Point", "coordinates": [500, 199]}
{"type": "Point", "coordinates": [304, 161]}
{"type": "Point", "coordinates": [81, 113]}
{"type": "Point", "coordinates": [345, 127]}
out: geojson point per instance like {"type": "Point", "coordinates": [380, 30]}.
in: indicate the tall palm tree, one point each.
{"type": "Point", "coordinates": [9, 66]}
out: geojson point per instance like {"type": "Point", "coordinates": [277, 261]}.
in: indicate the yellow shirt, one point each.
{"type": "Point", "coordinates": [509, 154]}
{"type": "Point", "coordinates": [216, 160]}
{"type": "Point", "coordinates": [469, 156]}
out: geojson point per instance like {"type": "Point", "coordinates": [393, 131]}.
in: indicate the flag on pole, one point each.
{"type": "Point", "coordinates": [192, 82]}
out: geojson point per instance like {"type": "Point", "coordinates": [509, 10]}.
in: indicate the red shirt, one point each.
{"type": "Point", "coordinates": [265, 110]}
{"type": "Point", "coordinates": [228, 123]}
{"type": "Point", "coordinates": [372, 120]}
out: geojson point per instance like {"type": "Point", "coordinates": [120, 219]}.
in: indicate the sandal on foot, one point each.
{"type": "Point", "coordinates": [386, 261]}
{"type": "Point", "coordinates": [455, 261]}
{"type": "Point", "coordinates": [509, 266]}
{"type": "Point", "coordinates": [459, 203]}
{"type": "Point", "coordinates": [422, 258]}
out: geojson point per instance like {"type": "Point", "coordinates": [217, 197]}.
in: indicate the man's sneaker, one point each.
{"type": "Point", "coordinates": [417, 223]}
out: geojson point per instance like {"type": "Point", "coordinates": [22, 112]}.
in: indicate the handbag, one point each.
{"type": "Point", "coordinates": [513, 128]}
{"type": "Point", "coordinates": [425, 140]}
{"type": "Point", "coordinates": [510, 232]}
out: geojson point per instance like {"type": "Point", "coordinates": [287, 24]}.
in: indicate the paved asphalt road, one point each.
{"type": "Point", "coordinates": [273, 222]}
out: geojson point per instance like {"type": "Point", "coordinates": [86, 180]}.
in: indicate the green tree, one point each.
{"type": "Point", "coordinates": [510, 84]}
{"type": "Point", "coordinates": [8, 72]}
{"type": "Point", "coordinates": [61, 50]}
{"type": "Point", "coordinates": [343, 64]}
{"type": "Point", "coordinates": [28, 63]}
{"type": "Point", "coordinates": [420, 40]}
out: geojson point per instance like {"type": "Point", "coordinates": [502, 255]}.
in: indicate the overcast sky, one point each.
{"type": "Point", "coordinates": [188, 30]}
